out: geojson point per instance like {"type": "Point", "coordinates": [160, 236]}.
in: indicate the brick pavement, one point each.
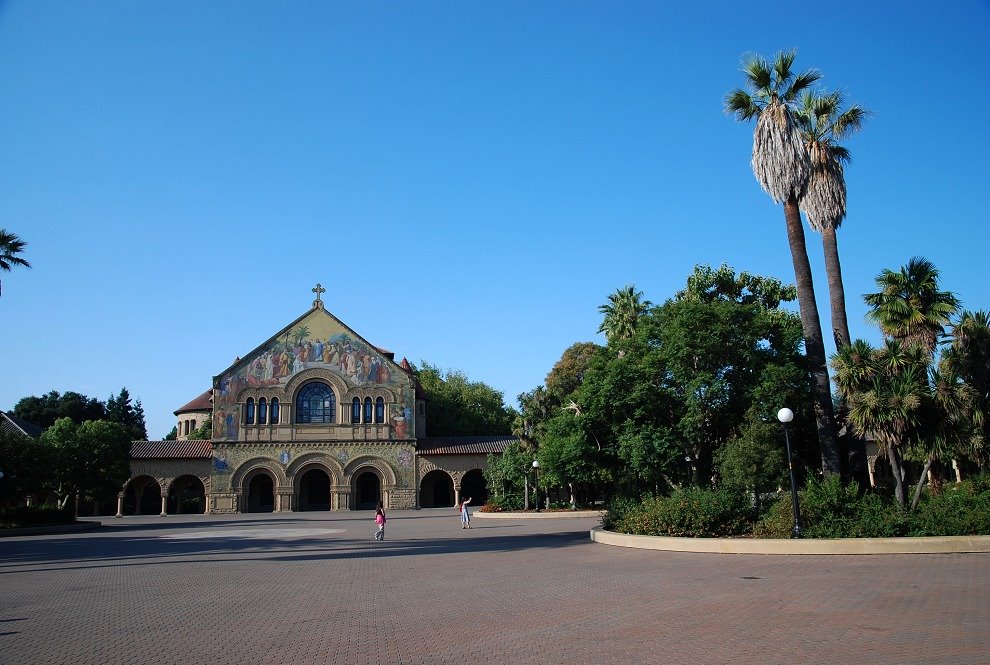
{"type": "Point", "coordinates": [315, 588]}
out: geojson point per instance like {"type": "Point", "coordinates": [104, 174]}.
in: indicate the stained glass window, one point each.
{"type": "Point", "coordinates": [316, 403]}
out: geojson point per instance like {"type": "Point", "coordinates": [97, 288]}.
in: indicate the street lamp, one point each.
{"type": "Point", "coordinates": [785, 416]}
{"type": "Point", "coordinates": [536, 485]}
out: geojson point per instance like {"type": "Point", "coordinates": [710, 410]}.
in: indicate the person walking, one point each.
{"type": "Point", "coordinates": [465, 514]}
{"type": "Point", "coordinates": [380, 521]}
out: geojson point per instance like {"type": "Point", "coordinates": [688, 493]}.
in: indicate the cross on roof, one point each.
{"type": "Point", "coordinates": [318, 303]}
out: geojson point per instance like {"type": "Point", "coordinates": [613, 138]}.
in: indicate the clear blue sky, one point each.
{"type": "Point", "coordinates": [469, 180]}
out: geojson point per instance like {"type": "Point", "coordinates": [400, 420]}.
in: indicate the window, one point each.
{"type": "Point", "coordinates": [193, 426]}
{"type": "Point", "coordinates": [356, 411]}
{"type": "Point", "coordinates": [316, 403]}
{"type": "Point", "coordinates": [367, 409]}
{"type": "Point", "coordinates": [185, 426]}
{"type": "Point", "coordinates": [379, 410]}
{"type": "Point", "coordinates": [249, 412]}
{"type": "Point", "coordinates": [262, 412]}
{"type": "Point", "coordinates": [274, 410]}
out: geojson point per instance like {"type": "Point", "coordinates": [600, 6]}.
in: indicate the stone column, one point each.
{"type": "Point", "coordinates": [457, 494]}
{"type": "Point", "coordinates": [164, 502]}
{"type": "Point", "coordinates": [120, 505]}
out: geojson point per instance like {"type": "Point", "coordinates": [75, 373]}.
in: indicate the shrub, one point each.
{"type": "Point", "coordinates": [688, 512]}
{"type": "Point", "coordinates": [961, 510]}
{"type": "Point", "coordinates": [829, 510]}
{"type": "Point", "coordinates": [616, 511]}
{"type": "Point", "coordinates": [503, 503]}
{"type": "Point", "coordinates": [22, 516]}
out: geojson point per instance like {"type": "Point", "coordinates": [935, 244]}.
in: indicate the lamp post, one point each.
{"type": "Point", "coordinates": [536, 485]}
{"type": "Point", "coordinates": [785, 416]}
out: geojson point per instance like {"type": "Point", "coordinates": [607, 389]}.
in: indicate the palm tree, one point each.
{"type": "Point", "coordinates": [886, 390]}
{"type": "Point", "coordinates": [823, 123]}
{"type": "Point", "coordinates": [909, 307]}
{"type": "Point", "coordinates": [10, 247]}
{"type": "Point", "coordinates": [622, 312]}
{"type": "Point", "coordinates": [782, 167]}
{"type": "Point", "coordinates": [969, 359]}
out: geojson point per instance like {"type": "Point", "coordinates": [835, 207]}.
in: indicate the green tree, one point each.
{"type": "Point", "coordinates": [173, 434]}
{"type": "Point", "coordinates": [24, 463]}
{"type": "Point", "coordinates": [968, 358]}
{"type": "Point", "coordinates": [90, 461]}
{"type": "Point", "coordinates": [754, 460]}
{"type": "Point", "coordinates": [45, 410]}
{"type": "Point", "coordinates": [202, 433]}
{"type": "Point", "coordinates": [567, 373]}
{"type": "Point", "coordinates": [782, 166]}
{"type": "Point", "coordinates": [459, 406]}
{"type": "Point", "coordinates": [823, 123]}
{"type": "Point", "coordinates": [10, 248]}
{"type": "Point", "coordinates": [120, 410]}
{"type": "Point", "coordinates": [622, 312]}
{"type": "Point", "coordinates": [909, 306]}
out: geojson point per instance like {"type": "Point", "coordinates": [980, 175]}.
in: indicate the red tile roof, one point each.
{"type": "Point", "coordinates": [202, 403]}
{"type": "Point", "coordinates": [463, 445]}
{"type": "Point", "coordinates": [171, 450]}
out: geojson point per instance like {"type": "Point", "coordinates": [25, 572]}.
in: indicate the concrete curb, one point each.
{"type": "Point", "coordinates": [934, 545]}
{"type": "Point", "coordinates": [46, 530]}
{"type": "Point", "coordinates": [539, 516]}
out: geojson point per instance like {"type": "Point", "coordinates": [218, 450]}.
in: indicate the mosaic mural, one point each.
{"type": "Point", "coordinates": [318, 341]}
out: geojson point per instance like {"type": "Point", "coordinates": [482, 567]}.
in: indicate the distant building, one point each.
{"type": "Point", "coordinates": [314, 418]}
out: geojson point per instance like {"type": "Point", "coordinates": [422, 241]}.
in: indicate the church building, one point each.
{"type": "Point", "coordinates": [315, 418]}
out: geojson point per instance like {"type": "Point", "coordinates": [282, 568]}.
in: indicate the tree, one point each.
{"type": "Point", "coordinates": [968, 358]}
{"type": "Point", "coordinates": [173, 434]}
{"type": "Point", "coordinates": [567, 373]}
{"type": "Point", "coordinates": [24, 463]}
{"type": "Point", "coordinates": [823, 123]}
{"type": "Point", "coordinates": [753, 460]}
{"type": "Point", "coordinates": [90, 461]}
{"type": "Point", "coordinates": [459, 406]}
{"type": "Point", "coordinates": [782, 166]}
{"type": "Point", "coordinates": [909, 306]}
{"type": "Point", "coordinates": [202, 433]}
{"type": "Point", "coordinates": [45, 410]}
{"type": "Point", "coordinates": [10, 247]}
{"type": "Point", "coordinates": [131, 416]}
{"type": "Point", "coordinates": [622, 312]}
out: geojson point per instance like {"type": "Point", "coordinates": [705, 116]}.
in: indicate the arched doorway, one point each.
{"type": "Point", "coordinates": [314, 490]}
{"type": "Point", "coordinates": [367, 490]}
{"type": "Point", "coordinates": [143, 496]}
{"type": "Point", "coordinates": [436, 490]}
{"type": "Point", "coordinates": [474, 487]}
{"type": "Point", "coordinates": [186, 495]}
{"type": "Point", "coordinates": [260, 494]}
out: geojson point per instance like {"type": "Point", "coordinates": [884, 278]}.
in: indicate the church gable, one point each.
{"type": "Point", "coordinates": [317, 346]}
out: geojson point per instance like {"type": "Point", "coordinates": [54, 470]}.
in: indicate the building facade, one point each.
{"type": "Point", "coordinates": [314, 418]}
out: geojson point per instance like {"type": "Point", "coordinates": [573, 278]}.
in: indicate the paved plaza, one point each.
{"type": "Point", "coordinates": [316, 588]}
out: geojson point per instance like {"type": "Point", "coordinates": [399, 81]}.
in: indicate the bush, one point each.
{"type": "Point", "coordinates": [22, 516]}
{"type": "Point", "coordinates": [960, 510]}
{"type": "Point", "coordinates": [688, 512]}
{"type": "Point", "coordinates": [616, 511]}
{"type": "Point", "coordinates": [503, 503]}
{"type": "Point", "coordinates": [829, 510]}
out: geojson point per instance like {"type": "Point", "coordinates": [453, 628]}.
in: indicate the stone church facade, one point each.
{"type": "Point", "coordinates": [314, 418]}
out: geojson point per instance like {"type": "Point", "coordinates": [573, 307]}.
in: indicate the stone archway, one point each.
{"type": "Point", "coordinates": [474, 487]}
{"type": "Point", "coordinates": [186, 494]}
{"type": "Point", "coordinates": [259, 495]}
{"type": "Point", "coordinates": [436, 490]}
{"type": "Point", "coordinates": [142, 496]}
{"type": "Point", "coordinates": [313, 489]}
{"type": "Point", "coordinates": [367, 489]}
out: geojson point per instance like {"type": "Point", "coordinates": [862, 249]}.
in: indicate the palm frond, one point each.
{"type": "Point", "coordinates": [742, 105]}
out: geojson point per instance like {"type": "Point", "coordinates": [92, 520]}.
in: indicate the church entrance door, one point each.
{"type": "Point", "coordinates": [314, 490]}
{"type": "Point", "coordinates": [368, 491]}
{"type": "Point", "coordinates": [261, 494]}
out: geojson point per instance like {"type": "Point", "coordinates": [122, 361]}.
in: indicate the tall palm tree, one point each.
{"type": "Point", "coordinates": [823, 123]}
{"type": "Point", "coordinates": [909, 306]}
{"type": "Point", "coordinates": [969, 359]}
{"type": "Point", "coordinates": [622, 313]}
{"type": "Point", "coordinates": [10, 247]}
{"type": "Point", "coordinates": [782, 167]}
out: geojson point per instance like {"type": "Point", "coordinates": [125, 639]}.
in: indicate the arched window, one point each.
{"type": "Point", "coordinates": [356, 411]}
{"type": "Point", "coordinates": [316, 403]}
{"type": "Point", "coordinates": [379, 410]}
{"type": "Point", "coordinates": [249, 411]}
{"type": "Point", "coordinates": [274, 410]}
{"type": "Point", "coordinates": [367, 409]}
{"type": "Point", "coordinates": [262, 412]}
